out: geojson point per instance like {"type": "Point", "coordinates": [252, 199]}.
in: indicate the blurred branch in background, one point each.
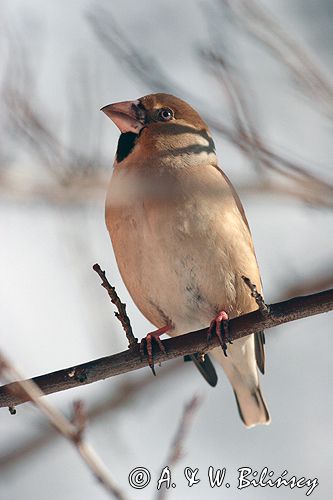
{"type": "Point", "coordinates": [189, 343]}
{"type": "Point", "coordinates": [72, 431]}
{"type": "Point", "coordinates": [73, 171]}
{"type": "Point", "coordinates": [176, 448]}
{"type": "Point", "coordinates": [246, 136]}
{"type": "Point", "coordinates": [307, 186]}
{"type": "Point", "coordinates": [78, 172]}
{"type": "Point", "coordinates": [125, 394]}
{"type": "Point", "coordinates": [54, 154]}
{"type": "Point", "coordinates": [28, 121]}
{"type": "Point", "coordinates": [303, 67]}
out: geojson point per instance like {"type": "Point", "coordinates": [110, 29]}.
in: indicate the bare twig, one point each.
{"type": "Point", "coordinates": [263, 307]}
{"type": "Point", "coordinates": [121, 314]}
{"type": "Point", "coordinates": [129, 360]}
{"type": "Point", "coordinates": [31, 392]}
{"type": "Point", "coordinates": [176, 449]}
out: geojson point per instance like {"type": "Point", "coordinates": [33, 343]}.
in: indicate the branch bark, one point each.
{"type": "Point", "coordinates": [129, 360]}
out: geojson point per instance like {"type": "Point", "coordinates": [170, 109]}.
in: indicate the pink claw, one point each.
{"type": "Point", "coordinates": [219, 325]}
{"type": "Point", "coordinates": [147, 340]}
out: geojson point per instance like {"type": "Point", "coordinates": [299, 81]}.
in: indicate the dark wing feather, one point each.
{"type": "Point", "coordinates": [205, 367]}
{"type": "Point", "coordinates": [259, 348]}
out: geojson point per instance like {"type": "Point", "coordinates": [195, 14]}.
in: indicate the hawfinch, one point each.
{"type": "Point", "coordinates": [181, 238]}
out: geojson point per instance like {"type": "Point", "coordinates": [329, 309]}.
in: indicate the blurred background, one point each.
{"type": "Point", "coordinates": [260, 73]}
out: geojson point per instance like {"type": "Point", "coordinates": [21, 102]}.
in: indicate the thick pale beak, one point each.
{"type": "Point", "coordinates": [126, 115]}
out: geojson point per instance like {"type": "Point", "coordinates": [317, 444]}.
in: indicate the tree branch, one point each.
{"type": "Point", "coordinates": [129, 360]}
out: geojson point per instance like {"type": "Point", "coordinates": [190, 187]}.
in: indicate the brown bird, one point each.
{"type": "Point", "coordinates": [181, 238]}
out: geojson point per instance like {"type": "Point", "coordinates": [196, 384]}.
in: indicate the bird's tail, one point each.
{"type": "Point", "coordinates": [251, 405]}
{"type": "Point", "coordinates": [240, 368]}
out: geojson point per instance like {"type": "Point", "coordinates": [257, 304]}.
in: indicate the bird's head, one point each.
{"type": "Point", "coordinates": [160, 125]}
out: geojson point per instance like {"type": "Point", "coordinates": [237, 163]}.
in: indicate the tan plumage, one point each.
{"type": "Point", "coordinates": [180, 235]}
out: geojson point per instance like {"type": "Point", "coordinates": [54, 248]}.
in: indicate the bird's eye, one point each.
{"type": "Point", "coordinates": [165, 114]}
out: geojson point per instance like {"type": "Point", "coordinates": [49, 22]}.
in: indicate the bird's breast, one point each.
{"type": "Point", "coordinates": [181, 257]}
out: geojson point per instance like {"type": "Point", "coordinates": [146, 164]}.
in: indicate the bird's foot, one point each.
{"type": "Point", "coordinates": [220, 327]}
{"type": "Point", "coordinates": [147, 342]}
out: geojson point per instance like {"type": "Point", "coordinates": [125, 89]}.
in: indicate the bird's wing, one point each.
{"type": "Point", "coordinates": [259, 349]}
{"type": "Point", "coordinates": [235, 195]}
{"type": "Point", "coordinates": [205, 367]}
{"type": "Point", "coordinates": [259, 338]}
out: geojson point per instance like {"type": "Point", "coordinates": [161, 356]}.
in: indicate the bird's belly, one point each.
{"type": "Point", "coordinates": [179, 268]}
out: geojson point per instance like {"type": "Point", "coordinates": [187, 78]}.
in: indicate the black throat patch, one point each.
{"type": "Point", "coordinates": [126, 144]}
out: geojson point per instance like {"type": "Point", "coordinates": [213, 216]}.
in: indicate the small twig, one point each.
{"type": "Point", "coordinates": [176, 448]}
{"type": "Point", "coordinates": [263, 307]}
{"type": "Point", "coordinates": [31, 392]}
{"type": "Point", "coordinates": [121, 314]}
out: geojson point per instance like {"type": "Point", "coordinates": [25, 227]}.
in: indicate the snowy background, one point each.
{"type": "Point", "coordinates": [62, 61]}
